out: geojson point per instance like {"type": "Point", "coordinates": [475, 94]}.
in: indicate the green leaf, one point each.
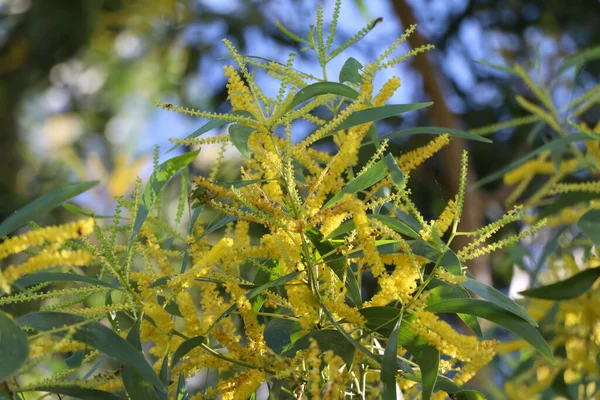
{"type": "Point", "coordinates": [210, 126]}
{"type": "Point", "coordinates": [497, 315]}
{"type": "Point", "coordinates": [327, 340]}
{"type": "Point", "coordinates": [338, 265]}
{"type": "Point", "coordinates": [569, 288]}
{"type": "Point", "coordinates": [78, 392]}
{"type": "Point", "coordinates": [426, 356]}
{"type": "Point", "coordinates": [216, 226]}
{"type": "Point", "coordinates": [94, 335]}
{"type": "Point", "coordinates": [589, 224]}
{"type": "Point", "coordinates": [137, 387]}
{"type": "Point", "coordinates": [558, 143]}
{"type": "Point", "coordinates": [469, 395]}
{"type": "Point", "coordinates": [42, 205]}
{"type": "Point", "coordinates": [497, 297]}
{"type": "Point", "coordinates": [579, 59]}
{"type": "Point", "coordinates": [549, 248]}
{"type": "Point", "coordinates": [277, 333]}
{"type": "Point", "coordinates": [442, 291]}
{"type": "Point", "coordinates": [435, 131]}
{"type": "Point", "coordinates": [396, 225]}
{"type": "Point", "coordinates": [378, 113]}
{"type": "Point", "coordinates": [79, 211]}
{"type": "Point", "coordinates": [449, 259]}
{"type": "Point", "coordinates": [321, 88]}
{"type": "Point", "coordinates": [381, 319]}
{"type": "Point", "coordinates": [388, 365]}
{"type": "Point", "coordinates": [40, 277]}
{"type": "Point", "coordinates": [350, 71]}
{"type": "Point", "coordinates": [14, 346]}
{"type": "Point", "coordinates": [157, 180]}
{"type": "Point", "coordinates": [367, 179]}
{"type": "Point", "coordinates": [395, 173]}
{"type": "Point", "coordinates": [186, 347]}
{"type": "Point", "coordinates": [241, 183]}
{"type": "Point", "coordinates": [239, 135]}
{"type": "Point", "coordinates": [182, 393]}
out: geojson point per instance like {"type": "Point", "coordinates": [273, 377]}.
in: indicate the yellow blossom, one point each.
{"type": "Point", "coordinates": [414, 158]}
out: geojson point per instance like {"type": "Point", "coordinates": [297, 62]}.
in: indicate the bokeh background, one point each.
{"type": "Point", "coordinates": [79, 80]}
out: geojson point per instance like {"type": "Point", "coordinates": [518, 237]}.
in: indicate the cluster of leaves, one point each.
{"type": "Point", "coordinates": [326, 281]}
{"type": "Point", "coordinates": [558, 181]}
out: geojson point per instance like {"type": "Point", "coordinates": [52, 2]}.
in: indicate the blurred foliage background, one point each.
{"type": "Point", "coordinates": [78, 82]}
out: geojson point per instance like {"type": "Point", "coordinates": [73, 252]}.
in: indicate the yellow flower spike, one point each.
{"type": "Point", "coordinates": [414, 158]}
{"type": "Point", "coordinates": [189, 313]}
{"type": "Point", "coordinates": [52, 234]}
{"type": "Point", "coordinates": [241, 386]}
{"type": "Point", "coordinates": [400, 284]}
{"type": "Point", "coordinates": [367, 239]}
{"type": "Point", "coordinates": [538, 167]}
{"type": "Point", "coordinates": [45, 260]}
{"type": "Point", "coordinates": [239, 96]}
{"type": "Point", "coordinates": [387, 91]}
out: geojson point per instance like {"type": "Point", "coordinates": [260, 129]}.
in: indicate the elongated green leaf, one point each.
{"type": "Point", "coordinates": [497, 297]}
{"type": "Point", "coordinates": [442, 291]}
{"type": "Point", "coordinates": [202, 130]}
{"type": "Point", "coordinates": [367, 179]}
{"type": "Point", "coordinates": [569, 288]}
{"type": "Point", "coordinates": [426, 356]}
{"type": "Point", "coordinates": [344, 228]}
{"type": "Point", "coordinates": [381, 319]}
{"type": "Point", "coordinates": [157, 180]}
{"type": "Point", "coordinates": [589, 224]}
{"type": "Point", "coordinates": [14, 346]}
{"type": "Point", "coordinates": [338, 265]}
{"type": "Point", "coordinates": [555, 144]}
{"type": "Point", "coordinates": [430, 130]}
{"type": "Point", "coordinates": [278, 333]}
{"type": "Point", "coordinates": [442, 383]}
{"type": "Point", "coordinates": [327, 340]}
{"type": "Point", "coordinates": [449, 259]}
{"type": "Point", "coordinates": [395, 173]}
{"type": "Point", "coordinates": [239, 135]}
{"type": "Point", "coordinates": [39, 277]}
{"type": "Point", "coordinates": [350, 71]}
{"type": "Point", "coordinates": [378, 113]}
{"type": "Point", "coordinates": [79, 392]}
{"type": "Point", "coordinates": [185, 348]}
{"type": "Point", "coordinates": [579, 59]}
{"type": "Point", "coordinates": [396, 225]}
{"type": "Point", "coordinates": [255, 292]}
{"type": "Point", "coordinates": [321, 88]}
{"type": "Point", "coordinates": [469, 395]}
{"type": "Point", "coordinates": [137, 387]}
{"type": "Point", "coordinates": [79, 211]}
{"type": "Point", "coordinates": [497, 315]}
{"type": "Point", "coordinates": [241, 183]}
{"type": "Point", "coordinates": [388, 366]}
{"type": "Point", "coordinates": [182, 393]}
{"type": "Point", "coordinates": [42, 205]}
{"type": "Point", "coordinates": [210, 126]}
{"type": "Point", "coordinates": [217, 225]}
{"type": "Point", "coordinates": [549, 248]}
{"type": "Point", "coordinates": [94, 335]}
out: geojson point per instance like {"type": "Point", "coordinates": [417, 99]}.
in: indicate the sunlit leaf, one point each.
{"type": "Point", "coordinates": [497, 315]}
{"type": "Point", "coordinates": [396, 225]}
{"type": "Point", "coordinates": [42, 205]}
{"type": "Point", "coordinates": [378, 113]}
{"type": "Point", "coordinates": [14, 346]}
{"type": "Point", "coordinates": [160, 176]}
{"type": "Point", "coordinates": [239, 135]}
{"type": "Point", "coordinates": [442, 291]}
{"type": "Point", "coordinates": [395, 173]}
{"type": "Point", "coordinates": [469, 395]}
{"type": "Point", "coordinates": [79, 211]}
{"type": "Point", "coordinates": [182, 393]}
{"type": "Point", "coordinates": [94, 335]}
